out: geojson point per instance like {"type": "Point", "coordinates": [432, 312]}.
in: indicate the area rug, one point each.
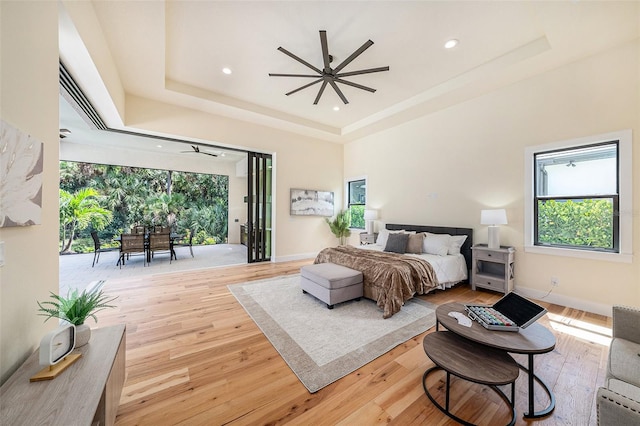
{"type": "Point", "coordinates": [322, 345]}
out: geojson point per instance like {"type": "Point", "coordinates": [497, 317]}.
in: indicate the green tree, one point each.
{"type": "Point", "coordinates": [357, 216]}
{"type": "Point", "coordinates": [204, 222]}
{"type": "Point", "coordinates": [126, 194]}
{"type": "Point", "coordinates": [77, 212]}
{"type": "Point", "coordinates": [164, 208]}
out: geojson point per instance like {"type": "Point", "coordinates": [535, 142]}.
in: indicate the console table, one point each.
{"type": "Point", "coordinates": [533, 340]}
{"type": "Point", "coordinates": [86, 393]}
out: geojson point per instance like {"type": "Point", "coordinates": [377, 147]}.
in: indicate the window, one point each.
{"type": "Point", "coordinates": [576, 201]}
{"type": "Point", "coordinates": [356, 200]}
{"type": "Point", "coordinates": [579, 197]}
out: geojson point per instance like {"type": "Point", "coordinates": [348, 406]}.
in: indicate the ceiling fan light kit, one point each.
{"type": "Point", "coordinates": [330, 76]}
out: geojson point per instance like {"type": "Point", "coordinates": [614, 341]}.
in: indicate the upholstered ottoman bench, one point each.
{"type": "Point", "coordinates": [331, 283]}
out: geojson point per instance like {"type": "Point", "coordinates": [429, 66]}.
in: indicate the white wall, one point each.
{"type": "Point", "coordinates": [442, 169]}
{"type": "Point", "coordinates": [29, 93]}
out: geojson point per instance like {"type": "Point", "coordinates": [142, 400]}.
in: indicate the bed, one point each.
{"type": "Point", "coordinates": [390, 279]}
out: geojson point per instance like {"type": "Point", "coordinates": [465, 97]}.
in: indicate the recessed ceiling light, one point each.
{"type": "Point", "coordinates": [336, 108]}
{"type": "Point", "coordinates": [159, 146]}
{"type": "Point", "coordinates": [226, 70]}
{"type": "Point", "coordinates": [450, 44]}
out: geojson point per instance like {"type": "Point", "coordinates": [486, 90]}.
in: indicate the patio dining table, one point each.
{"type": "Point", "coordinates": [172, 237]}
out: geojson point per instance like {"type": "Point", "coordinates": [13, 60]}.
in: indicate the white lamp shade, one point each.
{"type": "Point", "coordinates": [370, 214]}
{"type": "Point", "coordinates": [493, 217]}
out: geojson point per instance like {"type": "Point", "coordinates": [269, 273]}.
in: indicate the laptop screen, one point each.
{"type": "Point", "coordinates": [518, 309]}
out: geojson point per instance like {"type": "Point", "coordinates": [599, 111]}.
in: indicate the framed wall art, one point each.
{"type": "Point", "coordinates": [21, 166]}
{"type": "Point", "coordinates": [308, 202]}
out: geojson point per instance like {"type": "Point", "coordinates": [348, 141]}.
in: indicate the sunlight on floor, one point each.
{"type": "Point", "coordinates": [580, 329]}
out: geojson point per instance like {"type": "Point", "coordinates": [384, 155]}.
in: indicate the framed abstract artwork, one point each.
{"type": "Point", "coordinates": [308, 202]}
{"type": "Point", "coordinates": [21, 166]}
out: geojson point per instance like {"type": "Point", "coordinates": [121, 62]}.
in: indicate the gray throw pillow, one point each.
{"type": "Point", "coordinates": [397, 243]}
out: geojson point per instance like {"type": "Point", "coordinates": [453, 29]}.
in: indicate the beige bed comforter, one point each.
{"type": "Point", "coordinates": [390, 279]}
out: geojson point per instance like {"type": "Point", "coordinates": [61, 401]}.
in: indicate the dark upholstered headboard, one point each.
{"type": "Point", "coordinates": [466, 247]}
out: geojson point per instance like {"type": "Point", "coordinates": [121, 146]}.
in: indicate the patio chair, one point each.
{"type": "Point", "coordinates": [97, 248]}
{"type": "Point", "coordinates": [132, 244]}
{"type": "Point", "coordinates": [160, 243]}
{"type": "Point", "coordinates": [161, 229]}
{"type": "Point", "coordinates": [138, 229]}
{"type": "Point", "coordinates": [185, 243]}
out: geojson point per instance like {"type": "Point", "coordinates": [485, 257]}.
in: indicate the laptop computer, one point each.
{"type": "Point", "coordinates": [511, 313]}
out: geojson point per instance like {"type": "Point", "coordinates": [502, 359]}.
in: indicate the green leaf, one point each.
{"type": "Point", "coordinates": [75, 308]}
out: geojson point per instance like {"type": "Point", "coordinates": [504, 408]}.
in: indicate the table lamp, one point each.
{"type": "Point", "coordinates": [493, 218]}
{"type": "Point", "coordinates": [370, 216]}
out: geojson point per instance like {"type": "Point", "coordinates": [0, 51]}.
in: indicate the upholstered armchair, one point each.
{"type": "Point", "coordinates": [618, 401]}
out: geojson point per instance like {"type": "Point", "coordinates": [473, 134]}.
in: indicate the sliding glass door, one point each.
{"type": "Point", "coordinates": [259, 207]}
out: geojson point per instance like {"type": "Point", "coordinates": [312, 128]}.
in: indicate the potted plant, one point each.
{"type": "Point", "coordinates": [340, 225]}
{"type": "Point", "coordinates": [76, 308]}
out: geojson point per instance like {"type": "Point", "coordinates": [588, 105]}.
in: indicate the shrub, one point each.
{"type": "Point", "coordinates": [582, 223]}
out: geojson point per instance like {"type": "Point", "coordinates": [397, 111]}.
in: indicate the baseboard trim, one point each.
{"type": "Point", "coordinates": [568, 301]}
{"type": "Point", "coordinates": [293, 257]}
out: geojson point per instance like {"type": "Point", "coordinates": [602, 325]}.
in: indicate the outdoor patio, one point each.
{"type": "Point", "coordinates": [76, 270]}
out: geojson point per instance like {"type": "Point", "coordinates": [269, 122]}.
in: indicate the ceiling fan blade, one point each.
{"type": "Point", "coordinates": [208, 153]}
{"type": "Point", "coordinates": [325, 50]}
{"type": "Point", "coordinates": [354, 55]}
{"type": "Point", "coordinates": [304, 87]}
{"type": "Point", "coordinates": [194, 150]}
{"type": "Point", "coordinates": [367, 71]}
{"type": "Point", "coordinates": [338, 91]}
{"type": "Point", "coordinates": [324, 84]}
{"type": "Point", "coordinates": [292, 75]}
{"type": "Point", "coordinates": [359, 86]}
{"type": "Point", "coordinates": [302, 61]}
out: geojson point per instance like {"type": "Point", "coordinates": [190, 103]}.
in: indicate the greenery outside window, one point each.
{"type": "Point", "coordinates": [578, 198]}
{"type": "Point", "coordinates": [356, 201]}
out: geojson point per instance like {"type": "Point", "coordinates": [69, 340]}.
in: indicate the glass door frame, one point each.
{"type": "Point", "coordinates": [259, 206]}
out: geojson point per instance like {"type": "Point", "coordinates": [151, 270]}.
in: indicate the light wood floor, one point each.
{"type": "Point", "coordinates": [195, 357]}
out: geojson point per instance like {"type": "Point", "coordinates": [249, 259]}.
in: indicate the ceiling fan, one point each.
{"type": "Point", "coordinates": [330, 75]}
{"type": "Point", "coordinates": [196, 150]}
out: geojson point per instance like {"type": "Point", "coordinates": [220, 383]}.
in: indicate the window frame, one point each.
{"type": "Point", "coordinates": [624, 229]}
{"type": "Point", "coordinates": [615, 197]}
{"type": "Point", "coordinates": [348, 203]}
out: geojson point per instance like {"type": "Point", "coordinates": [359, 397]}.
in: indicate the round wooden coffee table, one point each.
{"type": "Point", "coordinates": [533, 340]}
{"type": "Point", "coordinates": [470, 361]}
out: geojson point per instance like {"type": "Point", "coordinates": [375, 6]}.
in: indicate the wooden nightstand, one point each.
{"type": "Point", "coordinates": [368, 238]}
{"type": "Point", "coordinates": [493, 268]}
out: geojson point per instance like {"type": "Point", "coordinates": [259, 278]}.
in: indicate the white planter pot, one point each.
{"type": "Point", "coordinates": [83, 334]}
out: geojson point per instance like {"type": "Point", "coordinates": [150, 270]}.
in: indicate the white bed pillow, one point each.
{"type": "Point", "coordinates": [455, 243]}
{"type": "Point", "coordinates": [437, 244]}
{"type": "Point", "coordinates": [383, 236]}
